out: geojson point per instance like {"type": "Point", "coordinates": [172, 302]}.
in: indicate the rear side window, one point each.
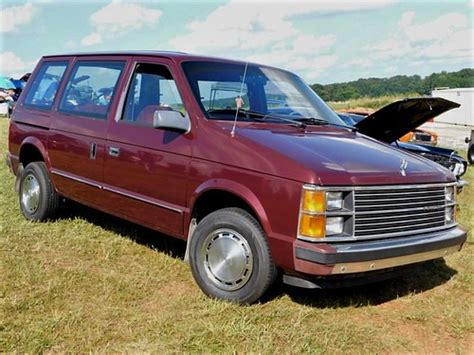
{"type": "Point", "coordinates": [45, 85]}
{"type": "Point", "coordinates": [90, 88]}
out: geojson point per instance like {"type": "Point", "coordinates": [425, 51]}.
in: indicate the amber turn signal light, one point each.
{"type": "Point", "coordinates": [312, 226]}
{"type": "Point", "coordinates": [314, 201]}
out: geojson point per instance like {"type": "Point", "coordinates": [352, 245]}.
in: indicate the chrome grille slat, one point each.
{"type": "Point", "coordinates": [399, 230]}
{"type": "Point", "coordinates": [403, 193]}
{"type": "Point", "coordinates": [414, 204]}
{"type": "Point", "coordinates": [438, 196]}
{"type": "Point", "coordinates": [394, 210]}
{"type": "Point", "coordinates": [390, 223]}
{"type": "Point", "coordinates": [391, 211]}
{"type": "Point", "coordinates": [363, 218]}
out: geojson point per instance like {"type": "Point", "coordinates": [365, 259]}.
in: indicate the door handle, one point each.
{"type": "Point", "coordinates": [93, 151]}
{"type": "Point", "coordinates": [114, 152]}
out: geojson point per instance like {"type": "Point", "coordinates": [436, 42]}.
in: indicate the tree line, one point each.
{"type": "Point", "coordinates": [395, 85]}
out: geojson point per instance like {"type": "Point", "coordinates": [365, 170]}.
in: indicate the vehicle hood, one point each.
{"type": "Point", "coordinates": [400, 117]}
{"type": "Point", "coordinates": [325, 155]}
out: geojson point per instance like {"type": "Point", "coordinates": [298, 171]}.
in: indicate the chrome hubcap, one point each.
{"type": "Point", "coordinates": [30, 193]}
{"type": "Point", "coordinates": [227, 259]}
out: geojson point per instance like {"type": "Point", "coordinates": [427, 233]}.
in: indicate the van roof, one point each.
{"type": "Point", "coordinates": [135, 52]}
{"type": "Point", "coordinates": [151, 53]}
{"type": "Point", "coordinates": [173, 55]}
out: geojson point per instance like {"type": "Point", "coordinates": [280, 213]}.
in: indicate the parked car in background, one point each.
{"type": "Point", "coordinates": [470, 147]}
{"type": "Point", "coordinates": [448, 158]}
{"type": "Point", "coordinates": [417, 135]}
{"type": "Point", "coordinates": [10, 90]}
{"type": "Point", "coordinates": [243, 161]}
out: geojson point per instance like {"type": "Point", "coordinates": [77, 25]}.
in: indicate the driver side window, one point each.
{"type": "Point", "coordinates": [152, 89]}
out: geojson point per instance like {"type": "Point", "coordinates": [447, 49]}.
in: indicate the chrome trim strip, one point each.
{"type": "Point", "coordinates": [116, 191]}
{"type": "Point", "coordinates": [372, 187]}
{"type": "Point", "coordinates": [376, 236]}
{"type": "Point", "coordinates": [142, 199]}
{"type": "Point", "coordinates": [75, 178]}
{"type": "Point", "coordinates": [401, 187]}
{"type": "Point", "coordinates": [363, 266]}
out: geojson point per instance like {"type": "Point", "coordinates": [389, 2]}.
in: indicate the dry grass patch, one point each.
{"type": "Point", "coordinates": [90, 282]}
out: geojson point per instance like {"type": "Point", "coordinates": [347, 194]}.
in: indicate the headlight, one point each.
{"type": "Point", "coordinates": [319, 211]}
{"type": "Point", "coordinates": [449, 194]}
{"type": "Point", "coordinates": [457, 169]}
{"type": "Point", "coordinates": [450, 202]}
{"type": "Point", "coordinates": [333, 200]}
{"type": "Point", "coordinates": [334, 225]}
{"type": "Point", "coordinates": [449, 215]}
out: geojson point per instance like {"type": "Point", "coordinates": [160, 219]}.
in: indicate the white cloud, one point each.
{"type": "Point", "coordinates": [91, 39]}
{"type": "Point", "coordinates": [448, 37]}
{"type": "Point", "coordinates": [118, 18]}
{"type": "Point", "coordinates": [14, 66]}
{"type": "Point", "coordinates": [262, 31]}
{"type": "Point", "coordinates": [15, 16]}
{"type": "Point", "coordinates": [244, 25]}
{"type": "Point", "coordinates": [439, 29]}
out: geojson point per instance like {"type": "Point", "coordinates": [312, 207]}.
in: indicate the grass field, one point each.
{"type": "Point", "coordinates": [90, 282]}
{"type": "Point", "coordinates": [368, 102]}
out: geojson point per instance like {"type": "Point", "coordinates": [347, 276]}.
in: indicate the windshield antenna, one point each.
{"type": "Point", "coordinates": [239, 100]}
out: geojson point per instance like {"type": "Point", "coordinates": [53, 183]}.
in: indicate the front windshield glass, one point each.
{"type": "Point", "coordinates": [267, 93]}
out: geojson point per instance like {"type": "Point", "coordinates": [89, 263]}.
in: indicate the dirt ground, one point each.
{"type": "Point", "coordinates": [450, 136]}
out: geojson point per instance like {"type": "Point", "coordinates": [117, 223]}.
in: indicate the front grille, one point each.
{"type": "Point", "coordinates": [424, 137]}
{"type": "Point", "coordinates": [398, 210]}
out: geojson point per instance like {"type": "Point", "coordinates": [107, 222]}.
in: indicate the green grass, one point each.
{"type": "Point", "coordinates": [90, 282]}
{"type": "Point", "coordinates": [368, 102]}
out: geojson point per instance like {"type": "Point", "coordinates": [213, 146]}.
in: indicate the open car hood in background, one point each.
{"type": "Point", "coordinates": [400, 117]}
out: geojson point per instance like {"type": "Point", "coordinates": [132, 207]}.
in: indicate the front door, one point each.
{"type": "Point", "coordinates": [79, 126]}
{"type": "Point", "coordinates": [146, 169]}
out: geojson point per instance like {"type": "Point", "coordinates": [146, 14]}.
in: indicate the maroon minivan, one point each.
{"type": "Point", "coordinates": [244, 161]}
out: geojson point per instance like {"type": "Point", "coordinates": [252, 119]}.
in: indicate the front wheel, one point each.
{"type": "Point", "coordinates": [230, 257]}
{"type": "Point", "coordinates": [38, 199]}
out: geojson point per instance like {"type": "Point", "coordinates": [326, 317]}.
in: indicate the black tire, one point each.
{"type": "Point", "coordinates": [246, 239]}
{"type": "Point", "coordinates": [46, 204]}
{"type": "Point", "coordinates": [470, 153]}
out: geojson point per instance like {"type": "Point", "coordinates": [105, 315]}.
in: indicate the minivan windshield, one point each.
{"type": "Point", "coordinates": [255, 92]}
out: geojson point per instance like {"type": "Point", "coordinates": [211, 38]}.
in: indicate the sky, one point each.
{"type": "Point", "coordinates": [322, 41]}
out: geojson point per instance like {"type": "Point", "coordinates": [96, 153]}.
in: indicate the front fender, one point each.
{"type": "Point", "coordinates": [237, 189]}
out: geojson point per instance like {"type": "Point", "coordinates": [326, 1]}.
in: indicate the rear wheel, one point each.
{"type": "Point", "coordinates": [38, 199]}
{"type": "Point", "coordinates": [230, 257]}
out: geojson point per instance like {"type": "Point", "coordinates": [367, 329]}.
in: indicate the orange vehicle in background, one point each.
{"type": "Point", "coordinates": [419, 135]}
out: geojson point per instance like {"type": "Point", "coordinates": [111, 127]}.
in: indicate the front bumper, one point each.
{"type": "Point", "coordinates": [359, 257]}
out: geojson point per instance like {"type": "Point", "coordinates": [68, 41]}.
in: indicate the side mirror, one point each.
{"type": "Point", "coordinates": [467, 140]}
{"type": "Point", "coordinates": [172, 120]}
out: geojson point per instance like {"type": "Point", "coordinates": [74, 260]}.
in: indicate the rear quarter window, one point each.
{"type": "Point", "coordinates": [91, 88]}
{"type": "Point", "coordinates": [45, 85]}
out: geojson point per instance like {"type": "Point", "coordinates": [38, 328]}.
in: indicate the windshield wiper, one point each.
{"type": "Point", "coordinates": [321, 122]}
{"type": "Point", "coordinates": [258, 116]}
